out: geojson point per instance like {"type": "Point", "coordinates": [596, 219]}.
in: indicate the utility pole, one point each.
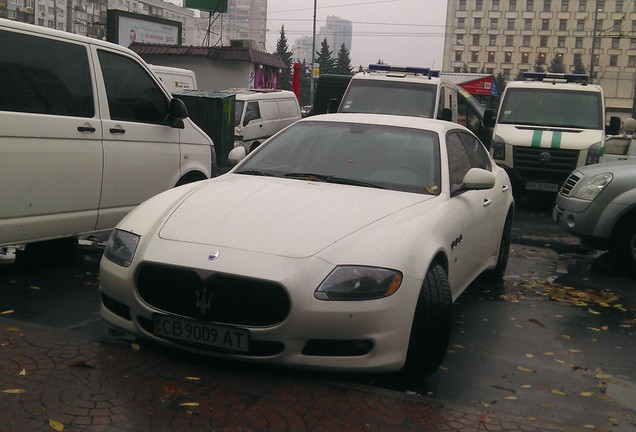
{"type": "Point", "coordinates": [313, 59]}
{"type": "Point", "coordinates": [593, 41]}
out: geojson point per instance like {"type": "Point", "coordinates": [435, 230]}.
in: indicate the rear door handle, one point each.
{"type": "Point", "coordinates": [487, 202]}
{"type": "Point", "coordinates": [86, 128]}
{"type": "Point", "coordinates": [505, 188]}
{"type": "Point", "coordinates": [117, 130]}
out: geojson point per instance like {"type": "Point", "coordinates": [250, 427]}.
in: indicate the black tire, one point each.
{"type": "Point", "coordinates": [624, 245]}
{"type": "Point", "coordinates": [431, 329]}
{"type": "Point", "coordinates": [499, 271]}
{"type": "Point", "coordinates": [254, 145]}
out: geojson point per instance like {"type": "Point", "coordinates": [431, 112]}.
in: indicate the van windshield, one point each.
{"type": "Point", "coordinates": [390, 97]}
{"type": "Point", "coordinates": [238, 112]}
{"type": "Point", "coordinates": [548, 107]}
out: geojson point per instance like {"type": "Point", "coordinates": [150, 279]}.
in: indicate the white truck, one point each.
{"type": "Point", "coordinates": [548, 125]}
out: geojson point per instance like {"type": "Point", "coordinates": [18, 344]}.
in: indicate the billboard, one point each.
{"type": "Point", "coordinates": [217, 6]}
{"type": "Point", "coordinates": [124, 28]}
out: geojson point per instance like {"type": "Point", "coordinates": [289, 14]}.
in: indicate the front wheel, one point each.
{"type": "Point", "coordinates": [431, 328]}
{"type": "Point", "coordinates": [624, 247]}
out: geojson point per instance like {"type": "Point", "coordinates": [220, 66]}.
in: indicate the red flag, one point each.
{"type": "Point", "coordinates": [296, 80]}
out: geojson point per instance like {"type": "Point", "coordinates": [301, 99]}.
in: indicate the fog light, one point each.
{"type": "Point", "coordinates": [570, 220]}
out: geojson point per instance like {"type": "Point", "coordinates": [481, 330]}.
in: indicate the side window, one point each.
{"type": "Point", "coordinates": [253, 112]}
{"type": "Point", "coordinates": [132, 94]}
{"type": "Point", "coordinates": [617, 145]}
{"type": "Point", "coordinates": [37, 76]}
{"type": "Point", "coordinates": [476, 151]}
{"type": "Point", "coordinates": [440, 102]}
{"type": "Point", "coordinates": [458, 161]}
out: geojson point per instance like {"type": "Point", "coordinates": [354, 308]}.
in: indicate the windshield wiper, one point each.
{"type": "Point", "coordinates": [255, 172]}
{"type": "Point", "coordinates": [331, 179]}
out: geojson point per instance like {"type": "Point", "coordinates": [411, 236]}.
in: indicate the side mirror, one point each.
{"type": "Point", "coordinates": [236, 155]}
{"type": "Point", "coordinates": [614, 127]}
{"type": "Point", "coordinates": [333, 106]}
{"type": "Point", "coordinates": [177, 112]}
{"type": "Point", "coordinates": [489, 118]}
{"type": "Point", "coordinates": [477, 178]}
{"type": "Point", "coordinates": [446, 114]}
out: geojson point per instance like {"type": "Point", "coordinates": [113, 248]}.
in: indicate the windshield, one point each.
{"type": "Point", "coordinates": [378, 156]}
{"type": "Point", "coordinates": [390, 97]}
{"type": "Point", "coordinates": [557, 108]}
{"type": "Point", "coordinates": [238, 112]}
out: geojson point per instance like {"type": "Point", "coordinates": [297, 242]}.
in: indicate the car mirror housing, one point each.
{"type": "Point", "coordinates": [477, 178]}
{"type": "Point", "coordinates": [236, 155]}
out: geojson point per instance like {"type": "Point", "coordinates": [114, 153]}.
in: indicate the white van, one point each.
{"type": "Point", "coordinates": [175, 79]}
{"type": "Point", "coordinates": [548, 125]}
{"type": "Point", "coordinates": [416, 92]}
{"type": "Point", "coordinates": [87, 134]}
{"type": "Point", "coordinates": [260, 113]}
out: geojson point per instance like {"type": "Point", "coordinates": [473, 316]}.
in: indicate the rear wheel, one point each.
{"type": "Point", "coordinates": [498, 272]}
{"type": "Point", "coordinates": [431, 329]}
{"type": "Point", "coordinates": [254, 145]}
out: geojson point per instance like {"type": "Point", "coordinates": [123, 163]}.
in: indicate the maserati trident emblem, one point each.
{"type": "Point", "coordinates": [544, 157]}
{"type": "Point", "coordinates": [214, 255]}
{"type": "Point", "coordinates": [204, 300]}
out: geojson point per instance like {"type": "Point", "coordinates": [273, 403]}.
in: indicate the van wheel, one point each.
{"type": "Point", "coordinates": [254, 145]}
{"type": "Point", "coordinates": [430, 332]}
{"type": "Point", "coordinates": [190, 177]}
{"type": "Point", "coordinates": [624, 247]}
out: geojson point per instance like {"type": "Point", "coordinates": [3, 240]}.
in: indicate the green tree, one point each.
{"type": "Point", "coordinates": [556, 65]}
{"type": "Point", "coordinates": [283, 51]}
{"type": "Point", "coordinates": [305, 83]}
{"type": "Point", "coordinates": [538, 65]}
{"type": "Point", "coordinates": [519, 76]}
{"type": "Point", "coordinates": [500, 81]}
{"type": "Point", "coordinates": [343, 62]}
{"type": "Point", "coordinates": [578, 66]}
{"type": "Point", "coordinates": [325, 61]}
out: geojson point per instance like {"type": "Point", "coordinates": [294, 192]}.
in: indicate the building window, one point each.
{"type": "Point", "coordinates": [598, 25]}
{"type": "Point", "coordinates": [597, 43]}
{"type": "Point", "coordinates": [600, 4]}
{"type": "Point", "coordinates": [462, 5]}
{"type": "Point", "coordinates": [530, 5]}
{"type": "Point", "coordinates": [619, 5]}
{"type": "Point", "coordinates": [475, 39]}
{"type": "Point", "coordinates": [613, 60]}
{"type": "Point", "coordinates": [527, 24]}
{"type": "Point", "coordinates": [526, 41]}
{"type": "Point", "coordinates": [634, 26]}
{"type": "Point", "coordinates": [492, 40]}
{"type": "Point", "coordinates": [474, 56]}
{"type": "Point", "coordinates": [461, 23]}
{"type": "Point", "coordinates": [493, 23]}
{"type": "Point", "coordinates": [565, 5]}
{"type": "Point", "coordinates": [578, 42]}
{"type": "Point", "coordinates": [545, 24]}
{"type": "Point", "coordinates": [525, 57]}
{"type": "Point", "coordinates": [458, 56]}
{"type": "Point", "coordinates": [490, 71]}
{"type": "Point", "coordinates": [547, 5]}
{"type": "Point", "coordinates": [580, 25]}
{"type": "Point", "coordinates": [582, 5]}
{"type": "Point", "coordinates": [460, 40]}
{"type": "Point", "coordinates": [561, 42]}
{"type": "Point", "coordinates": [617, 25]}
{"type": "Point", "coordinates": [543, 41]}
{"type": "Point", "coordinates": [508, 57]}
{"type": "Point", "coordinates": [511, 24]}
{"type": "Point", "coordinates": [477, 23]}
{"type": "Point", "coordinates": [563, 24]}
{"type": "Point", "coordinates": [512, 5]}
{"type": "Point", "coordinates": [479, 4]}
{"type": "Point", "coordinates": [631, 61]}
{"type": "Point", "coordinates": [491, 56]}
{"type": "Point", "coordinates": [506, 74]}
{"type": "Point", "coordinates": [495, 5]}
{"type": "Point", "coordinates": [615, 43]}
{"type": "Point", "coordinates": [509, 40]}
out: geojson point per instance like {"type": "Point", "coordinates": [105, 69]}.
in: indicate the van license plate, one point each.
{"type": "Point", "coordinates": [540, 186]}
{"type": "Point", "coordinates": [201, 333]}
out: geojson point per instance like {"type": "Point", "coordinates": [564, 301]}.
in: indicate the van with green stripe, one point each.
{"type": "Point", "coordinates": [547, 126]}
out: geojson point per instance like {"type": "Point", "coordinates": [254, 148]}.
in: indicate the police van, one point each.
{"type": "Point", "coordinates": [417, 92]}
{"type": "Point", "coordinates": [548, 125]}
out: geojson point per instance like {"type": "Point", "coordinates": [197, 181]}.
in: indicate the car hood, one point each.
{"type": "Point", "coordinates": [617, 168]}
{"type": "Point", "coordinates": [293, 218]}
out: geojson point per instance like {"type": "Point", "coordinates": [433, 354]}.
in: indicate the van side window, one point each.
{"type": "Point", "coordinates": [132, 93]}
{"type": "Point", "coordinates": [288, 108]}
{"type": "Point", "coordinates": [37, 76]}
{"type": "Point", "coordinates": [252, 113]}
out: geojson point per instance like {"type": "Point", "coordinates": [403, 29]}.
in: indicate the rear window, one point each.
{"type": "Point", "coordinates": [390, 97]}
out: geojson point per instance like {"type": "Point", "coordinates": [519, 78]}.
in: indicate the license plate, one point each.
{"type": "Point", "coordinates": [540, 186]}
{"type": "Point", "coordinates": [201, 333]}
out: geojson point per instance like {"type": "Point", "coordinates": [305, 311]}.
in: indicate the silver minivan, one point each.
{"type": "Point", "coordinates": [88, 133]}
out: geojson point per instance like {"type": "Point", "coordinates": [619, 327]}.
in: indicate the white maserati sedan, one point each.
{"type": "Point", "coordinates": [339, 244]}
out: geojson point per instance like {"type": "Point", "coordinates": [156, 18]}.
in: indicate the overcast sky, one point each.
{"type": "Point", "coordinates": [400, 32]}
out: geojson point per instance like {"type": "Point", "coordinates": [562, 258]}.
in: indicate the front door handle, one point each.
{"type": "Point", "coordinates": [117, 130]}
{"type": "Point", "coordinates": [86, 129]}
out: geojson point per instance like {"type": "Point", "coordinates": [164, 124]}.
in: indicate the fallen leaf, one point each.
{"type": "Point", "coordinates": [190, 404]}
{"type": "Point", "coordinates": [534, 321]}
{"type": "Point", "coordinates": [7, 312]}
{"type": "Point", "coordinates": [525, 369]}
{"type": "Point", "coordinates": [572, 350]}
{"type": "Point", "coordinates": [511, 398]}
{"type": "Point", "coordinates": [526, 386]}
{"type": "Point", "coordinates": [13, 329]}
{"type": "Point", "coordinates": [530, 355]}
{"type": "Point", "coordinates": [80, 364]}
{"type": "Point", "coordinates": [135, 347]}
{"type": "Point", "coordinates": [586, 394]}
{"type": "Point", "coordinates": [593, 312]}
{"type": "Point", "coordinates": [558, 392]}
{"type": "Point", "coordinates": [589, 426]}
{"type": "Point", "coordinates": [56, 425]}
{"type": "Point", "coordinates": [22, 372]}
{"type": "Point", "coordinates": [505, 388]}
{"type": "Point", "coordinates": [13, 391]}
{"type": "Point", "coordinates": [34, 288]}
{"type": "Point", "coordinates": [191, 378]}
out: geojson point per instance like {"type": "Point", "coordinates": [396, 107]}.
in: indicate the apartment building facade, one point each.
{"type": "Point", "coordinates": [513, 36]}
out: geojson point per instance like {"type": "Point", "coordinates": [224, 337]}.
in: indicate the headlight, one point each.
{"type": "Point", "coordinates": [359, 283]}
{"type": "Point", "coordinates": [588, 189]}
{"type": "Point", "coordinates": [121, 247]}
{"type": "Point", "coordinates": [498, 148]}
{"type": "Point", "coordinates": [593, 154]}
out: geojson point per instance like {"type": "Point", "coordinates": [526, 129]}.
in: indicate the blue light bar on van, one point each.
{"type": "Point", "coordinates": [407, 69]}
{"type": "Point", "coordinates": [569, 77]}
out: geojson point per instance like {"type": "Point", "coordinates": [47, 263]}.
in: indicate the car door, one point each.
{"type": "Point", "coordinates": [473, 208]}
{"type": "Point", "coordinates": [618, 148]}
{"type": "Point", "coordinates": [50, 138]}
{"type": "Point", "coordinates": [141, 155]}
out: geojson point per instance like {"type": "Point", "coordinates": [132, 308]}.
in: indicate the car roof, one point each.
{"type": "Point", "coordinates": [401, 77]}
{"type": "Point", "coordinates": [438, 126]}
{"type": "Point", "coordinates": [554, 86]}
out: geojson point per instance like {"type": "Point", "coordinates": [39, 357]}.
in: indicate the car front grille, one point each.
{"type": "Point", "coordinates": [569, 184]}
{"type": "Point", "coordinates": [222, 299]}
{"type": "Point", "coordinates": [543, 164]}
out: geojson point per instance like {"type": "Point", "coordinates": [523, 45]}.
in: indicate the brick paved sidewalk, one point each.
{"type": "Point", "coordinates": [60, 380]}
